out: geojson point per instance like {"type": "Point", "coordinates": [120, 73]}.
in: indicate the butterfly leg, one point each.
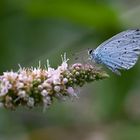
{"type": "Point", "coordinates": [114, 70]}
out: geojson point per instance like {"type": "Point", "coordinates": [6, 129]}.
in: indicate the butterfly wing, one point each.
{"type": "Point", "coordinates": [120, 51]}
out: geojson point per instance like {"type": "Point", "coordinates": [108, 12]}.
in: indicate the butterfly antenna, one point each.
{"type": "Point", "coordinates": [80, 53]}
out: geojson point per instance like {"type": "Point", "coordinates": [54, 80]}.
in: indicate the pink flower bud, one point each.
{"type": "Point", "coordinates": [70, 90]}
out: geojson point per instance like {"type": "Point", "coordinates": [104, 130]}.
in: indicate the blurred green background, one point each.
{"type": "Point", "coordinates": [33, 30]}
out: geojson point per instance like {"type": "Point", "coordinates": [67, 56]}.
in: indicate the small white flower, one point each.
{"type": "Point", "coordinates": [37, 72]}
{"type": "Point", "coordinates": [72, 92]}
{"type": "Point", "coordinates": [46, 102]}
{"type": "Point", "coordinates": [9, 86]}
{"type": "Point", "coordinates": [50, 80]}
{"type": "Point", "coordinates": [44, 92]}
{"type": "Point", "coordinates": [56, 81]}
{"type": "Point", "coordinates": [46, 85]}
{"type": "Point", "coordinates": [23, 78]}
{"type": "Point", "coordinates": [65, 80]}
{"type": "Point", "coordinates": [22, 94]}
{"type": "Point", "coordinates": [57, 88]}
{"type": "Point", "coordinates": [4, 86]}
{"type": "Point", "coordinates": [40, 87]}
{"type": "Point", "coordinates": [50, 71]}
{"type": "Point", "coordinates": [3, 91]}
{"type": "Point", "coordinates": [77, 65]}
{"type": "Point", "coordinates": [77, 73]}
{"type": "Point", "coordinates": [10, 75]}
{"type": "Point", "coordinates": [19, 85]}
{"type": "Point", "coordinates": [5, 83]}
{"type": "Point", "coordinates": [64, 65]}
{"type": "Point", "coordinates": [54, 75]}
{"type": "Point", "coordinates": [30, 102]}
{"type": "Point", "coordinates": [30, 78]}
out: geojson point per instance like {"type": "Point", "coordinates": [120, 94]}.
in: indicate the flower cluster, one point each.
{"type": "Point", "coordinates": [36, 86]}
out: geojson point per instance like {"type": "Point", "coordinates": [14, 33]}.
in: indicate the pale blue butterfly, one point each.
{"type": "Point", "coordinates": [119, 52]}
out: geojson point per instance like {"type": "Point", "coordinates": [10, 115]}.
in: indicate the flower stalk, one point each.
{"type": "Point", "coordinates": [32, 87]}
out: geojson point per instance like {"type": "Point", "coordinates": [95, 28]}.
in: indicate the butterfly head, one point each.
{"type": "Point", "coordinates": [91, 54]}
{"type": "Point", "coordinates": [90, 51]}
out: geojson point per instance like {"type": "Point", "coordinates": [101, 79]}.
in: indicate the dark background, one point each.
{"type": "Point", "coordinates": [33, 30]}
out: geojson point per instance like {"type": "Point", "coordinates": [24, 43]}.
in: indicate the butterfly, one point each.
{"type": "Point", "coordinates": [120, 52]}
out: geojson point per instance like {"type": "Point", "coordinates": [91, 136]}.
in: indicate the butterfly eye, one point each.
{"type": "Point", "coordinates": [90, 51]}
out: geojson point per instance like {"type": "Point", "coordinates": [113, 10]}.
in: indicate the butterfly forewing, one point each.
{"type": "Point", "coordinates": [120, 51]}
